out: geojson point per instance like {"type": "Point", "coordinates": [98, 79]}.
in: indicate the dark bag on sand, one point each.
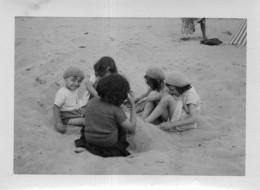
{"type": "Point", "coordinates": [211, 42]}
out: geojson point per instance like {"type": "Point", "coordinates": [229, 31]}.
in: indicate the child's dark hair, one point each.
{"type": "Point", "coordinates": [105, 64]}
{"type": "Point", "coordinates": [113, 89]}
{"type": "Point", "coordinates": [181, 90]}
{"type": "Point", "coordinates": [153, 83]}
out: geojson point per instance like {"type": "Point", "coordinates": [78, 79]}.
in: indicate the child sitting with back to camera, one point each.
{"type": "Point", "coordinates": [105, 66]}
{"type": "Point", "coordinates": [67, 107]}
{"type": "Point", "coordinates": [181, 107]}
{"type": "Point", "coordinates": [106, 123]}
{"type": "Point", "coordinates": [156, 89]}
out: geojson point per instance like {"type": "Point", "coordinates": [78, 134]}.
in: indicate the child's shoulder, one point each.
{"type": "Point", "coordinates": [64, 90]}
{"type": "Point", "coordinates": [165, 89]}
{"type": "Point", "coordinates": [191, 93]}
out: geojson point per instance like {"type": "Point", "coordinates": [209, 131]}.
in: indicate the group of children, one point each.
{"type": "Point", "coordinates": [170, 101]}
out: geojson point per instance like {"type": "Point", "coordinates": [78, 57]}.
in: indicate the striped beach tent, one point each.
{"type": "Point", "coordinates": [240, 35]}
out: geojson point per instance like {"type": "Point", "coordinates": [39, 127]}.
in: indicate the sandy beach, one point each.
{"type": "Point", "coordinates": [46, 46]}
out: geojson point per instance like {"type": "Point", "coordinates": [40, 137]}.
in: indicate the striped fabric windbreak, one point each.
{"type": "Point", "coordinates": [240, 35]}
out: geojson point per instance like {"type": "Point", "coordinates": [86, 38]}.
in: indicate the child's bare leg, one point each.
{"type": "Point", "coordinates": [167, 114]}
{"type": "Point", "coordinates": [148, 108]}
{"type": "Point", "coordinates": [186, 127]}
{"type": "Point", "coordinates": [77, 121]}
{"type": "Point", "coordinates": [167, 103]}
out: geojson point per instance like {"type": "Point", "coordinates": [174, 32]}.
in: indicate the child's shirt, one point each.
{"type": "Point", "coordinates": [182, 111]}
{"type": "Point", "coordinates": [191, 97]}
{"type": "Point", "coordinates": [69, 100]}
{"type": "Point", "coordinates": [102, 122]}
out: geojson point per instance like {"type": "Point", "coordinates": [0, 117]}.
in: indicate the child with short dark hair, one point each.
{"type": "Point", "coordinates": [106, 124]}
{"type": "Point", "coordinates": [103, 67]}
{"type": "Point", "coordinates": [67, 107]}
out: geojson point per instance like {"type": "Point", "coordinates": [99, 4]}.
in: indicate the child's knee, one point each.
{"type": "Point", "coordinates": [153, 93]}
{"type": "Point", "coordinates": [167, 99]}
{"type": "Point", "coordinates": [77, 121]}
{"type": "Point", "coordinates": [60, 128]}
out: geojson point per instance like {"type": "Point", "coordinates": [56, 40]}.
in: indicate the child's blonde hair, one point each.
{"type": "Point", "coordinates": [73, 71]}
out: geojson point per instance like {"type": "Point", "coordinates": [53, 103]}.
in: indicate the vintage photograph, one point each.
{"type": "Point", "coordinates": [130, 96]}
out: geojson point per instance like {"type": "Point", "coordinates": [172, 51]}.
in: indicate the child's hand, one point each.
{"type": "Point", "coordinates": [166, 125]}
{"type": "Point", "coordinates": [137, 100]}
{"type": "Point", "coordinates": [60, 128]}
{"type": "Point", "coordinates": [131, 97]}
{"type": "Point", "coordinates": [142, 100]}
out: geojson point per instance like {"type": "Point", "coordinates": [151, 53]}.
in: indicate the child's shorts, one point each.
{"type": "Point", "coordinates": [118, 149]}
{"type": "Point", "coordinates": [66, 116]}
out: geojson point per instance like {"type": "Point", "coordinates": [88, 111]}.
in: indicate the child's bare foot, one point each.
{"type": "Point", "coordinates": [61, 128]}
{"type": "Point", "coordinates": [79, 150]}
{"type": "Point", "coordinates": [183, 128]}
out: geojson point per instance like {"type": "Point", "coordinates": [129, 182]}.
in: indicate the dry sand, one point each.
{"type": "Point", "coordinates": [45, 47]}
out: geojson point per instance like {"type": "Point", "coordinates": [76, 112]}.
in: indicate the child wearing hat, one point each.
{"type": "Point", "coordinates": [67, 104]}
{"type": "Point", "coordinates": [181, 107]}
{"type": "Point", "coordinates": [156, 89]}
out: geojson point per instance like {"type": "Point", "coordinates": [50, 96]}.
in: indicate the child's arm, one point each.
{"type": "Point", "coordinates": [143, 95]}
{"type": "Point", "coordinates": [58, 123]}
{"type": "Point", "coordinates": [156, 97]}
{"type": "Point", "coordinates": [84, 99]}
{"type": "Point", "coordinates": [153, 98]}
{"type": "Point", "coordinates": [91, 89]}
{"type": "Point", "coordinates": [193, 115]}
{"type": "Point", "coordinates": [130, 125]}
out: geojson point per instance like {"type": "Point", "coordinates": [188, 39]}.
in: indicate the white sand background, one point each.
{"type": "Point", "coordinates": [44, 47]}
